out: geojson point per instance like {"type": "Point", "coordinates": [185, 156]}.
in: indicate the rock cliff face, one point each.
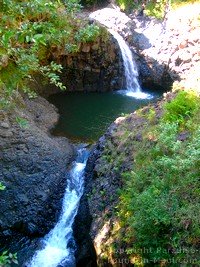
{"type": "Point", "coordinates": [164, 51]}
{"type": "Point", "coordinates": [167, 51]}
{"type": "Point", "coordinates": [33, 169]}
{"type": "Point", "coordinates": [97, 67]}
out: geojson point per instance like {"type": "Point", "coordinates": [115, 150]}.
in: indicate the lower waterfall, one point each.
{"type": "Point", "coordinates": [56, 250]}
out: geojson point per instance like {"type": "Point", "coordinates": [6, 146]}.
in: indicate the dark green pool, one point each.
{"type": "Point", "coordinates": [85, 116]}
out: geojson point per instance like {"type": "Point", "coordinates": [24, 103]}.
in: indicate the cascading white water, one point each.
{"type": "Point", "coordinates": [55, 251]}
{"type": "Point", "coordinates": [112, 18]}
{"type": "Point", "coordinates": [133, 88]}
{"type": "Point", "coordinates": [130, 68]}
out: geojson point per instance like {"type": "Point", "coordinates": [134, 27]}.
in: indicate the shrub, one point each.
{"type": "Point", "coordinates": [87, 34]}
{"type": "Point", "coordinates": [29, 33]}
{"type": "Point", "coordinates": [181, 108]}
{"type": "Point", "coordinates": [160, 201]}
{"type": "Point", "coordinates": [156, 9]}
{"type": "Point", "coordinates": [7, 259]}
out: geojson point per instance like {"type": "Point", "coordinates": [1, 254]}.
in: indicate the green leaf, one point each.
{"type": "Point", "coordinates": [23, 123]}
{"type": "Point", "coordinates": [2, 187]}
{"type": "Point", "coordinates": [6, 38]}
{"type": "Point", "coordinates": [40, 38]}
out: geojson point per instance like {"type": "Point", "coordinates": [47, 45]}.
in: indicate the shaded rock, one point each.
{"type": "Point", "coordinates": [183, 136]}
{"type": "Point", "coordinates": [33, 168]}
{"type": "Point", "coordinates": [96, 67]}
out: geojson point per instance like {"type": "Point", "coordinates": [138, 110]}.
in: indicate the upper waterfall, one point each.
{"type": "Point", "coordinates": [130, 68]}
{"type": "Point", "coordinates": [116, 21]}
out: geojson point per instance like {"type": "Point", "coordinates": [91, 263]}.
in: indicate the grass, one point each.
{"type": "Point", "coordinates": [160, 200]}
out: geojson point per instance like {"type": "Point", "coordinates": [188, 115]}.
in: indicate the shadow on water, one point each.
{"type": "Point", "coordinates": [84, 117]}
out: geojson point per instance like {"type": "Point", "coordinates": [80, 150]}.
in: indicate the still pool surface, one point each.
{"type": "Point", "coordinates": [84, 117]}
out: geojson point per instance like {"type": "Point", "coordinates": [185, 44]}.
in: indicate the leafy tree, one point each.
{"type": "Point", "coordinates": [30, 31]}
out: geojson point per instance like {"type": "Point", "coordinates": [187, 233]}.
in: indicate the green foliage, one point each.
{"type": "Point", "coordinates": [50, 72]}
{"type": "Point", "coordinates": [88, 33]}
{"type": "Point", "coordinates": [156, 9]}
{"type": "Point", "coordinates": [72, 6]}
{"type": "Point", "coordinates": [2, 187]}
{"type": "Point", "coordinates": [181, 108]}
{"type": "Point", "coordinates": [127, 5]}
{"type": "Point", "coordinates": [7, 259]}
{"type": "Point", "coordinates": [160, 201]}
{"type": "Point", "coordinates": [178, 3]}
{"type": "Point", "coordinates": [30, 33]}
{"type": "Point", "coordinates": [152, 8]}
{"type": "Point", "coordinates": [23, 123]}
{"type": "Point", "coordinates": [151, 115]}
